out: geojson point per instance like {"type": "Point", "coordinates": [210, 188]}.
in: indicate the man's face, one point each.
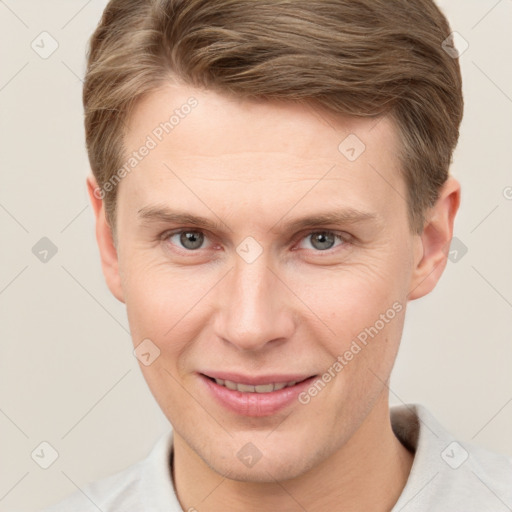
{"type": "Point", "coordinates": [255, 296]}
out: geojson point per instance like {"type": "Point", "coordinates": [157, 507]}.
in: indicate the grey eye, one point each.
{"type": "Point", "coordinates": [322, 240]}
{"type": "Point", "coordinates": [191, 239]}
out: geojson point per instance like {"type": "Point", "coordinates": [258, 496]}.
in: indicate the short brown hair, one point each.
{"type": "Point", "coordinates": [353, 57]}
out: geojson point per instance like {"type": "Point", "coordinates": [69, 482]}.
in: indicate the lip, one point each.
{"type": "Point", "coordinates": [254, 404]}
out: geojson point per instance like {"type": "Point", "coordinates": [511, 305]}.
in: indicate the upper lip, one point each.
{"type": "Point", "coordinates": [255, 380]}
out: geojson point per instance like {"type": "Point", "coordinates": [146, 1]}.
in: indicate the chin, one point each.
{"type": "Point", "coordinates": [271, 462]}
{"type": "Point", "coordinates": [269, 470]}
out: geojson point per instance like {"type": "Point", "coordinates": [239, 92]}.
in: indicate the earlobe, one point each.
{"type": "Point", "coordinates": [104, 237]}
{"type": "Point", "coordinates": [435, 240]}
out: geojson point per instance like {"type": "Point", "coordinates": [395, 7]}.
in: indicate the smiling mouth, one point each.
{"type": "Point", "coordinates": [249, 388]}
{"type": "Point", "coordinates": [255, 395]}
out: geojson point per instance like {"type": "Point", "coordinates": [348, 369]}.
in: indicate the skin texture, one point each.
{"type": "Point", "coordinates": [253, 167]}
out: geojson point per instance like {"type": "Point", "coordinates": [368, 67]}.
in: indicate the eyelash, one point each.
{"type": "Point", "coordinates": [344, 238]}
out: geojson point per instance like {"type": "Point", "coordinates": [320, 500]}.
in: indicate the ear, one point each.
{"type": "Point", "coordinates": [434, 241]}
{"type": "Point", "coordinates": [108, 251]}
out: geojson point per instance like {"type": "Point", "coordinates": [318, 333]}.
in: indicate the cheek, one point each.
{"type": "Point", "coordinates": [166, 305]}
{"type": "Point", "coordinates": [362, 312]}
{"type": "Point", "coordinates": [348, 299]}
{"type": "Point", "coordinates": [158, 301]}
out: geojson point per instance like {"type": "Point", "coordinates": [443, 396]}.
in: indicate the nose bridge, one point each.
{"type": "Point", "coordinates": [253, 311]}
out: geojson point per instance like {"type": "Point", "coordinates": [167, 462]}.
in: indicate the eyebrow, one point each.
{"type": "Point", "coordinates": [150, 214]}
{"type": "Point", "coordinates": [343, 216]}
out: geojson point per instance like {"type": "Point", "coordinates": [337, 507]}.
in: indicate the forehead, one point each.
{"type": "Point", "coordinates": [262, 151]}
{"type": "Point", "coordinates": [255, 125]}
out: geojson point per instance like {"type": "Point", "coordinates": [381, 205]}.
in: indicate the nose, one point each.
{"type": "Point", "coordinates": [255, 307]}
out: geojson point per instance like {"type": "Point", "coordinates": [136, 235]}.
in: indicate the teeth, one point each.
{"type": "Point", "coordinates": [261, 388]}
{"type": "Point", "coordinates": [264, 388]}
{"type": "Point", "coordinates": [245, 388]}
{"type": "Point", "coordinates": [230, 385]}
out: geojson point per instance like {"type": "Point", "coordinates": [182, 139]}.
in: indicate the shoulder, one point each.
{"type": "Point", "coordinates": [145, 485]}
{"type": "Point", "coordinates": [115, 492]}
{"type": "Point", "coordinates": [449, 474]}
{"type": "Point", "coordinates": [489, 472]}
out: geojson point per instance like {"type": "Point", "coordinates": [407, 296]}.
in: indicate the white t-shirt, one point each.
{"type": "Point", "coordinates": [446, 475]}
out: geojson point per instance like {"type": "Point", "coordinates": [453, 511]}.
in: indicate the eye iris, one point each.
{"type": "Point", "coordinates": [191, 239]}
{"type": "Point", "coordinates": [322, 240]}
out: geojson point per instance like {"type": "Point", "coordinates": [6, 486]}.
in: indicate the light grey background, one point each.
{"type": "Point", "coordinates": [67, 372]}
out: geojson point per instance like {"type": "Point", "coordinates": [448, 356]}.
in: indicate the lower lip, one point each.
{"type": "Point", "coordinates": [255, 404]}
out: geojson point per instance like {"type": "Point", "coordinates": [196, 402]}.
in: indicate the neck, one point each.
{"type": "Point", "coordinates": [367, 473]}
